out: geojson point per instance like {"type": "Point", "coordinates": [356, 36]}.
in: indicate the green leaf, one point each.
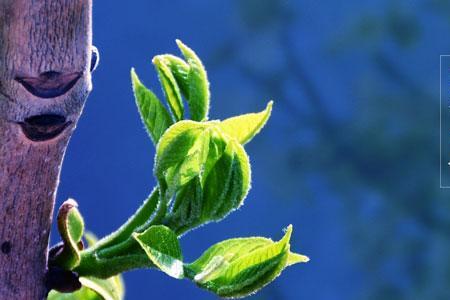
{"type": "Point", "coordinates": [90, 238]}
{"type": "Point", "coordinates": [170, 88]}
{"type": "Point", "coordinates": [295, 258]}
{"type": "Point", "coordinates": [109, 289]}
{"type": "Point", "coordinates": [71, 229]}
{"type": "Point", "coordinates": [75, 225]}
{"type": "Point", "coordinates": [82, 294]}
{"type": "Point", "coordinates": [228, 182]}
{"type": "Point", "coordinates": [186, 211]}
{"type": "Point", "coordinates": [94, 289]}
{"type": "Point", "coordinates": [198, 94]}
{"type": "Point", "coordinates": [206, 172]}
{"type": "Point", "coordinates": [180, 70]}
{"type": "Point", "coordinates": [154, 115]}
{"type": "Point", "coordinates": [240, 267]}
{"type": "Point", "coordinates": [163, 249]}
{"type": "Point", "coordinates": [243, 128]}
{"type": "Point", "coordinates": [179, 155]}
{"type": "Point", "coordinates": [240, 180]}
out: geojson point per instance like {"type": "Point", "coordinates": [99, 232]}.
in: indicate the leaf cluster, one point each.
{"type": "Point", "coordinates": [203, 174]}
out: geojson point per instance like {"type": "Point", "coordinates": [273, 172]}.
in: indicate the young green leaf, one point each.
{"type": "Point", "coordinates": [154, 115]}
{"type": "Point", "coordinates": [74, 225]}
{"type": "Point", "coordinates": [239, 182]}
{"type": "Point", "coordinates": [71, 229]}
{"type": "Point", "coordinates": [206, 172]}
{"type": "Point", "coordinates": [163, 249]}
{"type": "Point", "coordinates": [239, 267]}
{"type": "Point", "coordinates": [180, 70]}
{"type": "Point", "coordinates": [94, 289]}
{"type": "Point", "coordinates": [198, 95]}
{"type": "Point", "coordinates": [170, 88]}
{"type": "Point", "coordinates": [109, 289]}
{"type": "Point", "coordinates": [180, 155]}
{"type": "Point", "coordinates": [227, 184]}
{"type": "Point", "coordinates": [295, 258]}
{"type": "Point", "coordinates": [82, 294]}
{"type": "Point", "coordinates": [186, 210]}
{"type": "Point", "coordinates": [243, 128]}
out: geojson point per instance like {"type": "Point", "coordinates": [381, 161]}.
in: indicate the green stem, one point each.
{"type": "Point", "coordinates": [119, 252]}
{"type": "Point", "coordinates": [117, 249]}
{"type": "Point", "coordinates": [91, 265]}
{"type": "Point", "coordinates": [140, 217]}
{"type": "Point", "coordinates": [128, 245]}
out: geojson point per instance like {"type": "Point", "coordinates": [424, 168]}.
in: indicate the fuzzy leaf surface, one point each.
{"type": "Point", "coordinates": [163, 249]}
{"type": "Point", "coordinates": [239, 267]}
{"type": "Point", "coordinates": [243, 128]}
{"type": "Point", "coordinates": [198, 94]}
{"type": "Point", "coordinates": [170, 88]}
{"type": "Point", "coordinates": [204, 171]}
{"type": "Point", "coordinates": [154, 115]}
{"type": "Point", "coordinates": [180, 70]}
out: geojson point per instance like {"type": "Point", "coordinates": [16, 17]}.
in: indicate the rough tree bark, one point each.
{"type": "Point", "coordinates": [45, 57]}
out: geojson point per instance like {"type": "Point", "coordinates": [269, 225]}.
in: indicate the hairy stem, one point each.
{"type": "Point", "coordinates": [91, 265]}
{"type": "Point", "coordinates": [139, 219]}
{"type": "Point", "coordinates": [119, 252]}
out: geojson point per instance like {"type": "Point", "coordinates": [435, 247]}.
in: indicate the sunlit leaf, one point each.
{"type": "Point", "coordinates": [163, 249]}
{"type": "Point", "coordinates": [228, 182]}
{"type": "Point", "coordinates": [180, 70]}
{"type": "Point", "coordinates": [198, 94]}
{"type": "Point", "coordinates": [154, 115]}
{"type": "Point", "coordinates": [109, 289]}
{"type": "Point", "coordinates": [83, 294]}
{"type": "Point", "coordinates": [180, 155]}
{"type": "Point", "coordinates": [170, 88]}
{"type": "Point", "coordinates": [243, 128]}
{"type": "Point", "coordinates": [295, 258]}
{"type": "Point", "coordinates": [239, 267]}
{"type": "Point", "coordinates": [206, 172]}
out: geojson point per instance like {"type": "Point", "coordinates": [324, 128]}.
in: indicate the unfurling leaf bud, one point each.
{"type": "Point", "coordinates": [203, 170]}
{"type": "Point", "coordinates": [71, 229]}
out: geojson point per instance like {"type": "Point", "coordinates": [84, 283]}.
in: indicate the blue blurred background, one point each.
{"type": "Point", "coordinates": [350, 156]}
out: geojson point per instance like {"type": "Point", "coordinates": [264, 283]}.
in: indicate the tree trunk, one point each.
{"type": "Point", "coordinates": [45, 57]}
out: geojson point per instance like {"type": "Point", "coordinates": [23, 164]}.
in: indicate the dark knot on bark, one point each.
{"type": "Point", "coordinates": [44, 127]}
{"type": "Point", "coordinates": [50, 84]}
